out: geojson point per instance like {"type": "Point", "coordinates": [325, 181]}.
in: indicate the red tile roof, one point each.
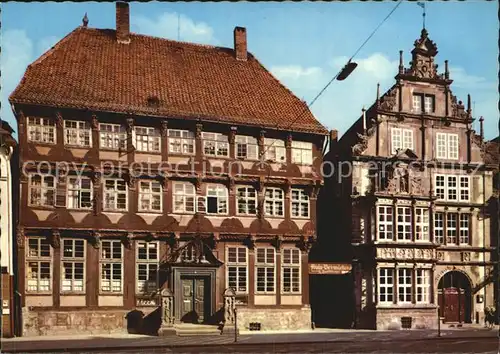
{"type": "Point", "coordinates": [88, 69]}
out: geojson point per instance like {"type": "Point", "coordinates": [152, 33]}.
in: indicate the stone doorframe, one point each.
{"type": "Point", "coordinates": [182, 271]}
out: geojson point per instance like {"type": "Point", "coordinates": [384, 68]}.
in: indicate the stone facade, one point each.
{"type": "Point", "coordinates": [273, 319]}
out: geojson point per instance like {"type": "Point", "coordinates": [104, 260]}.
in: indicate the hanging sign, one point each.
{"type": "Point", "coordinates": [329, 268]}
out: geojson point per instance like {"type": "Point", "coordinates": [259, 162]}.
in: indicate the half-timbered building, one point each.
{"type": "Point", "coordinates": [150, 164]}
{"type": "Point", "coordinates": [413, 191]}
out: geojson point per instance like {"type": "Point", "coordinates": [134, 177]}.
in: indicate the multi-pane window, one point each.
{"type": "Point", "coordinates": [428, 104]}
{"type": "Point", "coordinates": [404, 223]}
{"type": "Point", "coordinates": [385, 223]}
{"type": "Point", "coordinates": [386, 285]}
{"type": "Point", "coordinates": [302, 152]}
{"type": "Point", "coordinates": [300, 203]}
{"type": "Point", "coordinates": [147, 139]}
{"type": "Point", "coordinates": [452, 188]}
{"type": "Point", "coordinates": [265, 265]}
{"type": "Point", "coordinates": [247, 147]}
{"type": "Point", "coordinates": [79, 193]}
{"type": "Point", "coordinates": [417, 103]}
{"type": "Point", "coordinates": [184, 196]}
{"type": "Point", "coordinates": [423, 103]}
{"type": "Point", "coordinates": [290, 265]}
{"type": "Point", "coordinates": [115, 194]}
{"type": "Point", "coordinates": [38, 265]}
{"type": "Point", "coordinates": [401, 139]}
{"type": "Point", "coordinates": [215, 144]}
{"type": "Point", "coordinates": [147, 260]}
{"type": "Point", "coordinates": [447, 146]}
{"type": "Point", "coordinates": [275, 150]}
{"type": "Point", "coordinates": [423, 286]}
{"type": "Point", "coordinates": [111, 266]}
{"type": "Point", "coordinates": [41, 130]}
{"type": "Point", "coordinates": [439, 228]}
{"type": "Point", "coordinates": [77, 133]}
{"type": "Point", "coordinates": [246, 199]}
{"type": "Point", "coordinates": [216, 199]}
{"type": "Point", "coordinates": [42, 190]}
{"type": "Point", "coordinates": [73, 265]}
{"type": "Point", "coordinates": [464, 229]}
{"type": "Point", "coordinates": [237, 269]}
{"type": "Point", "coordinates": [274, 202]}
{"type": "Point", "coordinates": [181, 142]}
{"type": "Point", "coordinates": [404, 285]}
{"type": "Point", "coordinates": [422, 224]}
{"type": "Point", "coordinates": [112, 136]}
{"type": "Point", "coordinates": [464, 189]}
{"type": "Point", "coordinates": [150, 196]}
{"type": "Point", "coordinates": [451, 228]}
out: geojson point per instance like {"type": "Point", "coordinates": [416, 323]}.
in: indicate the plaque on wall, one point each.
{"type": "Point", "coordinates": [329, 268]}
{"type": "Point", "coordinates": [146, 301]}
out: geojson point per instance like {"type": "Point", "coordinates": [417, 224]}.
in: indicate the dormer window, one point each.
{"type": "Point", "coordinates": [423, 103]}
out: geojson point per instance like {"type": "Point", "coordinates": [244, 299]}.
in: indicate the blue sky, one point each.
{"type": "Point", "coordinates": [302, 43]}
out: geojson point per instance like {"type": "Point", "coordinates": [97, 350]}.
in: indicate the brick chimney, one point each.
{"type": "Point", "coordinates": [240, 43]}
{"type": "Point", "coordinates": [122, 22]}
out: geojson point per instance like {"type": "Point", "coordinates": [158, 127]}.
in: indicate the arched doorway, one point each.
{"type": "Point", "coordinates": [454, 297]}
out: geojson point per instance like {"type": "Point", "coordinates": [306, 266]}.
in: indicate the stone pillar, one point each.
{"type": "Point", "coordinates": [229, 311]}
{"type": "Point", "coordinates": [167, 313]}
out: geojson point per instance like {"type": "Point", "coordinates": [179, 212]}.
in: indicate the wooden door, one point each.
{"type": "Point", "coordinates": [187, 297]}
{"type": "Point", "coordinates": [451, 305]}
{"type": "Point", "coordinates": [199, 298]}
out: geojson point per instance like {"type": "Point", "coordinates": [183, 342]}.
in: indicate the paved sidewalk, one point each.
{"type": "Point", "coordinates": [79, 343]}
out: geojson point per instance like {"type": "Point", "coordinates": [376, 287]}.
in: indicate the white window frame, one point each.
{"type": "Point", "coordinates": [403, 224]}
{"type": "Point", "coordinates": [181, 142]}
{"type": "Point", "coordinates": [151, 264]}
{"type": "Point", "coordinates": [268, 267]}
{"type": "Point", "coordinates": [41, 130]}
{"type": "Point", "coordinates": [275, 150]}
{"type": "Point", "coordinates": [215, 144]}
{"type": "Point", "coordinates": [246, 147]}
{"type": "Point", "coordinates": [246, 204]}
{"type": "Point", "coordinates": [447, 146]}
{"type": "Point", "coordinates": [440, 186]}
{"type": "Point", "coordinates": [183, 193]}
{"type": "Point", "coordinates": [148, 195]}
{"type": "Point", "coordinates": [114, 194]}
{"type": "Point", "coordinates": [385, 217]}
{"type": "Point", "coordinates": [76, 193]}
{"type": "Point", "coordinates": [273, 203]}
{"type": "Point", "coordinates": [417, 103]}
{"type": "Point", "coordinates": [451, 228]}
{"type": "Point", "coordinates": [302, 152]}
{"type": "Point", "coordinates": [114, 262]}
{"type": "Point", "coordinates": [73, 260]}
{"type": "Point", "coordinates": [385, 282]}
{"type": "Point", "coordinates": [464, 221]}
{"type": "Point", "coordinates": [41, 193]}
{"type": "Point", "coordinates": [34, 285]}
{"type": "Point", "coordinates": [452, 188]}
{"type": "Point", "coordinates": [422, 224]}
{"type": "Point", "coordinates": [112, 136]}
{"type": "Point", "coordinates": [423, 286]}
{"type": "Point", "coordinates": [147, 139]}
{"type": "Point", "coordinates": [429, 104]}
{"type": "Point", "coordinates": [237, 268]}
{"type": "Point", "coordinates": [439, 222]}
{"type": "Point", "coordinates": [405, 288]}
{"type": "Point", "coordinates": [401, 139]}
{"type": "Point", "coordinates": [299, 204]}
{"type": "Point", "coordinates": [291, 264]}
{"type": "Point", "coordinates": [219, 192]}
{"type": "Point", "coordinates": [77, 133]}
{"type": "Point", "coordinates": [464, 188]}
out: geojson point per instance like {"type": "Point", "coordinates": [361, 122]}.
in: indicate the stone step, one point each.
{"type": "Point", "coordinates": [184, 330]}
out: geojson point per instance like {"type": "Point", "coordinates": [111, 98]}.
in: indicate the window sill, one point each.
{"type": "Point", "coordinates": [111, 294]}
{"type": "Point", "coordinates": [115, 211]}
{"type": "Point", "coordinates": [153, 212]}
{"type": "Point", "coordinates": [183, 213]}
{"type": "Point", "coordinates": [274, 217]}
{"type": "Point", "coordinates": [38, 293]}
{"type": "Point", "coordinates": [42, 144]}
{"type": "Point", "coordinates": [42, 207]}
{"type": "Point", "coordinates": [77, 147]}
{"type": "Point", "coordinates": [179, 154]}
{"type": "Point", "coordinates": [73, 293]}
{"type": "Point", "coordinates": [88, 210]}
{"type": "Point", "coordinates": [148, 152]}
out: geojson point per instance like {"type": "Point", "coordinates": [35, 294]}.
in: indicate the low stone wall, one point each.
{"type": "Point", "coordinates": [421, 318]}
{"type": "Point", "coordinates": [41, 323]}
{"type": "Point", "coordinates": [274, 319]}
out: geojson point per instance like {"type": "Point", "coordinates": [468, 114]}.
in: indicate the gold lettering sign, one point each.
{"type": "Point", "coordinates": [329, 268]}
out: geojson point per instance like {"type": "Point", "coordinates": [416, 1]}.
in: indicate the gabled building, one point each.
{"type": "Point", "coordinates": [412, 191]}
{"type": "Point", "coordinates": [152, 164]}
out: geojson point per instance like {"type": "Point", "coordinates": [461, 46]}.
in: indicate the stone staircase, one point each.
{"type": "Point", "coordinates": [188, 329]}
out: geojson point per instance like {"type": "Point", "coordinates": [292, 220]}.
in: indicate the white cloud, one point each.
{"type": "Point", "coordinates": [45, 44]}
{"type": "Point", "coordinates": [296, 76]}
{"type": "Point", "coordinates": [170, 24]}
{"type": "Point", "coordinates": [463, 80]}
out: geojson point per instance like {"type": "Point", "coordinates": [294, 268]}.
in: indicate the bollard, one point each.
{"type": "Point", "coordinates": [235, 325]}
{"type": "Point", "coordinates": [439, 322]}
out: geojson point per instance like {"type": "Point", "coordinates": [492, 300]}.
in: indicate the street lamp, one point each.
{"type": "Point", "coordinates": [347, 70]}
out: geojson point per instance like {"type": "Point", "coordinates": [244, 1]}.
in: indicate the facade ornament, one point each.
{"type": "Point", "coordinates": [130, 125]}
{"type": "Point", "coordinates": [59, 120]}
{"type": "Point", "coordinates": [85, 20]}
{"type": "Point", "coordinates": [399, 181]}
{"type": "Point", "coordinates": [440, 256]}
{"type": "Point", "coordinates": [278, 241]}
{"type": "Point", "coordinates": [130, 179]}
{"type": "Point", "coordinates": [229, 306]}
{"type": "Point", "coordinates": [361, 146]}
{"type": "Point", "coordinates": [423, 53]}
{"type": "Point", "coordinates": [20, 237]}
{"type": "Point", "coordinates": [199, 128]}
{"type": "Point", "coordinates": [465, 256]}
{"type": "Point", "coordinates": [232, 135]}
{"type": "Point", "coordinates": [127, 240]}
{"type": "Point", "coordinates": [56, 239]}
{"type": "Point", "coordinates": [164, 183]}
{"type": "Point", "coordinates": [288, 141]}
{"type": "Point", "coordinates": [96, 239]}
{"type": "Point", "coordinates": [287, 187]}
{"type": "Point", "coordinates": [388, 101]}
{"type": "Point", "coordinates": [164, 128]}
{"type": "Point", "coordinates": [197, 183]}
{"type": "Point", "coordinates": [416, 186]}
{"type": "Point", "coordinates": [167, 308]}
{"type": "Point", "coordinates": [94, 122]}
{"type": "Point", "coordinates": [305, 244]}
{"type": "Point", "coordinates": [231, 184]}
{"type": "Point", "coordinates": [250, 241]}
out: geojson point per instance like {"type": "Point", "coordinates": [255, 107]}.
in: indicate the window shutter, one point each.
{"type": "Point", "coordinates": [60, 200]}
{"type": "Point", "coordinates": [201, 204]}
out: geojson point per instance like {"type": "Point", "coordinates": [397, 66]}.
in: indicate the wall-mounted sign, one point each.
{"type": "Point", "coordinates": [147, 302]}
{"type": "Point", "coordinates": [329, 268]}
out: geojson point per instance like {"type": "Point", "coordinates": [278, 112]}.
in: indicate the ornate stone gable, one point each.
{"type": "Point", "coordinates": [423, 53]}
